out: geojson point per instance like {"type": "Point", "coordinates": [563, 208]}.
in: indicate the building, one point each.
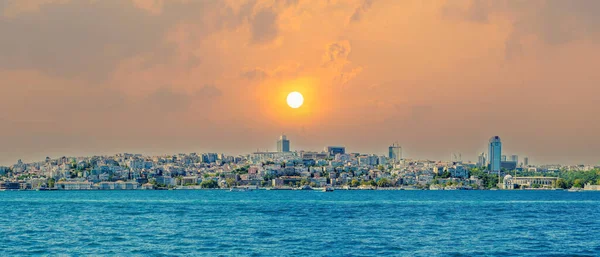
{"type": "Point", "coordinates": [73, 185]}
{"type": "Point", "coordinates": [526, 161]}
{"type": "Point", "coordinates": [9, 185]}
{"type": "Point", "coordinates": [481, 160]}
{"type": "Point", "coordinates": [313, 155]}
{"type": "Point", "coordinates": [514, 158]}
{"type": "Point", "coordinates": [508, 165]}
{"type": "Point", "coordinates": [511, 182]}
{"type": "Point", "coordinates": [395, 152]}
{"type": "Point", "coordinates": [333, 150]}
{"type": "Point", "coordinates": [283, 144]}
{"type": "Point", "coordinates": [495, 154]}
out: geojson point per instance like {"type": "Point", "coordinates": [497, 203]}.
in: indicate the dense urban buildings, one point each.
{"type": "Point", "coordinates": [285, 169]}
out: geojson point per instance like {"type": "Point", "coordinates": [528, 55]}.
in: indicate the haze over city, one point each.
{"type": "Point", "coordinates": [84, 78]}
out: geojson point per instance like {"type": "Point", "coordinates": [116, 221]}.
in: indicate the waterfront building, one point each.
{"type": "Point", "coordinates": [119, 185]}
{"type": "Point", "coordinates": [395, 152]}
{"type": "Point", "coordinates": [10, 185]}
{"type": "Point", "coordinates": [73, 185]}
{"type": "Point", "coordinates": [526, 161]}
{"type": "Point", "coordinates": [511, 182]}
{"type": "Point", "coordinates": [514, 158]}
{"type": "Point", "coordinates": [283, 144]}
{"type": "Point", "coordinates": [495, 154]}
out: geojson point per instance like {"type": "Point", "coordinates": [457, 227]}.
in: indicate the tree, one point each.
{"type": "Point", "coordinates": [384, 182]}
{"type": "Point", "coordinates": [51, 182]}
{"type": "Point", "coordinates": [304, 181]}
{"type": "Point", "coordinates": [231, 182]}
{"type": "Point", "coordinates": [369, 183]}
{"type": "Point", "coordinates": [354, 183]}
{"type": "Point", "coordinates": [561, 183]}
{"type": "Point", "coordinates": [209, 183]}
{"type": "Point", "coordinates": [578, 183]}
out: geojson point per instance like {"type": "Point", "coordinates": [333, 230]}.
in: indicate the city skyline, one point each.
{"type": "Point", "coordinates": [394, 152]}
{"type": "Point", "coordinates": [82, 78]}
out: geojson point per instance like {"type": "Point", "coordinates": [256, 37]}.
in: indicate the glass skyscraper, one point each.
{"type": "Point", "coordinates": [283, 144]}
{"type": "Point", "coordinates": [395, 152]}
{"type": "Point", "coordinates": [495, 157]}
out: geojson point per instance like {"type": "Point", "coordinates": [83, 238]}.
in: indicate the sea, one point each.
{"type": "Point", "coordinates": [299, 223]}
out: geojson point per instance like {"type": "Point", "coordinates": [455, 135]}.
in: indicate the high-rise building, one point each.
{"type": "Point", "coordinates": [495, 155]}
{"type": "Point", "coordinates": [514, 158]}
{"type": "Point", "coordinates": [503, 158]}
{"type": "Point", "coordinates": [283, 144]}
{"type": "Point", "coordinates": [526, 161]}
{"type": "Point", "coordinates": [395, 152]}
{"type": "Point", "coordinates": [481, 160]}
{"type": "Point", "coordinates": [333, 150]}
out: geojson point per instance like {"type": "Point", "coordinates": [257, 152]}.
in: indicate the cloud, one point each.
{"type": "Point", "coordinates": [345, 76]}
{"type": "Point", "coordinates": [553, 22]}
{"type": "Point", "coordinates": [76, 39]}
{"type": "Point", "coordinates": [264, 26]}
{"type": "Point", "coordinates": [166, 99]}
{"type": "Point", "coordinates": [361, 10]}
{"type": "Point", "coordinates": [255, 74]}
{"type": "Point", "coordinates": [209, 92]}
{"type": "Point", "coordinates": [337, 53]}
{"type": "Point", "coordinates": [474, 10]}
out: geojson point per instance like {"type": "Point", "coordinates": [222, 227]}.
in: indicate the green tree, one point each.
{"type": "Point", "coordinates": [561, 183]}
{"type": "Point", "coordinates": [51, 182]}
{"type": "Point", "coordinates": [231, 182]}
{"type": "Point", "coordinates": [384, 182]}
{"type": "Point", "coordinates": [578, 183]}
{"type": "Point", "coordinates": [209, 183]}
{"type": "Point", "coordinates": [354, 183]}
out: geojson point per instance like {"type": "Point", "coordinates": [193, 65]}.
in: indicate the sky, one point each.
{"type": "Point", "coordinates": [95, 77]}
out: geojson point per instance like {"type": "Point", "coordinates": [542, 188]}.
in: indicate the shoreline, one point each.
{"type": "Point", "coordinates": [297, 189]}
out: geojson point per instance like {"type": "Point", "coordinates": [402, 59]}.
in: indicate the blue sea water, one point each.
{"type": "Point", "coordinates": [304, 223]}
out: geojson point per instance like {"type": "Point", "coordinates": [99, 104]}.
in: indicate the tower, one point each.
{"type": "Point", "coordinates": [495, 149]}
{"type": "Point", "coordinates": [395, 152]}
{"type": "Point", "coordinates": [283, 144]}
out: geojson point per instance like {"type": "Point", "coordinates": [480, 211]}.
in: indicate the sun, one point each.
{"type": "Point", "coordinates": [295, 99]}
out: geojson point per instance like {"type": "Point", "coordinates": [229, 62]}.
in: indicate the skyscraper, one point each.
{"type": "Point", "coordinates": [283, 144]}
{"type": "Point", "coordinates": [495, 148]}
{"type": "Point", "coordinates": [481, 160]}
{"type": "Point", "coordinates": [526, 161]}
{"type": "Point", "coordinates": [395, 152]}
{"type": "Point", "coordinates": [514, 158]}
